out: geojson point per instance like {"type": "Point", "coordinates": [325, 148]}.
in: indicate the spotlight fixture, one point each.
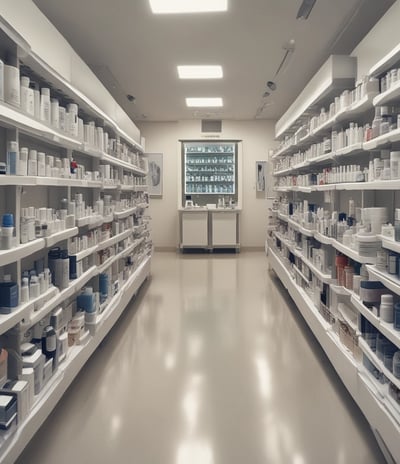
{"type": "Point", "coordinates": [271, 85]}
{"type": "Point", "coordinates": [266, 94]}
{"type": "Point", "coordinates": [131, 98]}
{"type": "Point", "coordinates": [305, 9]}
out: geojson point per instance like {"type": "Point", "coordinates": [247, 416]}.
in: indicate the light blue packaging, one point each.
{"type": "Point", "coordinates": [12, 158]}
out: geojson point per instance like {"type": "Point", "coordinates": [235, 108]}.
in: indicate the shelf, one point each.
{"type": "Point", "coordinates": [92, 221]}
{"type": "Point", "coordinates": [21, 251]}
{"type": "Point", "coordinates": [388, 280]}
{"type": "Point", "coordinates": [113, 240]}
{"type": "Point", "coordinates": [13, 118]}
{"type": "Point", "coordinates": [352, 253]}
{"type": "Point", "coordinates": [386, 63]}
{"type": "Point", "coordinates": [377, 362]}
{"type": "Point", "coordinates": [76, 358]}
{"type": "Point", "coordinates": [126, 213]}
{"type": "Point", "coordinates": [349, 150]}
{"type": "Point", "coordinates": [112, 259]}
{"type": "Point", "coordinates": [323, 238]}
{"type": "Point", "coordinates": [388, 96]}
{"type": "Point", "coordinates": [389, 243]}
{"type": "Point", "coordinates": [383, 141]}
{"type": "Point", "coordinates": [374, 185]}
{"type": "Point", "coordinates": [385, 328]}
{"type": "Point", "coordinates": [60, 236]}
{"type": "Point", "coordinates": [85, 253]}
{"type": "Point", "coordinates": [123, 164]}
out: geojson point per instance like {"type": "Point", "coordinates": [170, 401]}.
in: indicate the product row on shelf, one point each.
{"type": "Point", "coordinates": [334, 235]}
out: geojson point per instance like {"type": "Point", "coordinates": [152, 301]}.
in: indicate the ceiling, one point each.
{"type": "Point", "coordinates": [135, 52]}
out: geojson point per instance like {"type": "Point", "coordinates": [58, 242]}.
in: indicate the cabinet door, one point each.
{"type": "Point", "coordinates": [224, 229]}
{"type": "Point", "coordinates": [195, 229]}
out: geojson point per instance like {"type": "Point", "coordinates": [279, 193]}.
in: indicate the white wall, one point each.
{"type": "Point", "coordinates": [381, 39]}
{"type": "Point", "coordinates": [163, 137]}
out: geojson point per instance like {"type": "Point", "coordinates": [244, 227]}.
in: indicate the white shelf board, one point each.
{"type": "Point", "coordinates": [350, 150]}
{"type": "Point", "coordinates": [92, 221]}
{"type": "Point", "coordinates": [21, 251]}
{"type": "Point", "coordinates": [63, 182]}
{"type": "Point", "coordinates": [76, 359]}
{"type": "Point", "coordinates": [357, 108]}
{"type": "Point", "coordinates": [388, 280]}
{"type": "Point", "coordinates": [123, 164]}
{"type": "Point", "coordinates": [388, 96]}
{"type": "Point", "coordinates": [327, 278]}
{"type": "Point", "coordinates": [12, 117]}
{"type": "Point", "coordinates": [85, 253]}
{"type": "Point", "coordinates": [60, 236]}
{"type": "Point", "coordinates": [352, 253]}
{"type": "Point", "coordinates": [283, 217]}
{"type": "Point", "coordinates": [374, 185]}
{"type": "Point", "coordinates": [385, 328]}
{"type": "Point", "coordinates": [126, 213]}
{"type": "Point", "coordinates": [323, 238]}
{"type": "Point", "coordinates": [377, 362]}
{"type": "Point", "coordinates": [17, 180]}
{"type": "Point", "coordinates": [385, 63]}
{"type": "Point", "coordinates": [383, 140]}
{"type": "Point", "coordinates": [389, 243]}
{"type": "Point", "coordinates": [113, 240]}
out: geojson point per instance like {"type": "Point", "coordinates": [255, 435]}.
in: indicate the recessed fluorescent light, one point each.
{"type": "Point", "coordinates": [188, 6]}
{"type": "Point", "coordinates": [200, 72]}
{"type": "Point", "coordinates": [204, 102]}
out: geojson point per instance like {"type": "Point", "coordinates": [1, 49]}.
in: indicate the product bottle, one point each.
{"type": "Point", "coordinates": [7, 231]}
{"type": "Point", "coordinates": [396, 364]}
{"type": "Point", "coordinates": [36, 100]}
{"type": "Point", "coordinates": [1, 80]}
{"type": "Point", "coordinates": [103, 287]}
{"type": "Point", "coordinates": [396, 321]}
{"type": "Point", "coordinates": [24, 93]}
{"type": "Point", "coordinates": [49, 344]}
{"type": "Point", "coordinates": [72, 118]}
{"type": "Point", "coordinates": [45, 105]}
{"type": "Point", "coordinates": [23, 162]}
{"type": "Point", "coordinates": [386, 308]}
{"type": "Point", "coordinates": [32, 163]}
{"type": "Point", "coordinates": [41, 164]}
{"type": "Point", "coordinates": [12, 158]}
{"type": "Point", "coordinates": [25, 290]}
{"type": "Point", "coordinates": [12, 85]}
{"type": "Point", "coordinates": [34, 287]}
{"type": "Point", "coordinates": [53, 259]}
{"type": "Point", "coordinates": [64, 269]}
{"type": "Point", "coordinates": [392, 265]}
{"type": "Point", "coordinates": [55, 113]}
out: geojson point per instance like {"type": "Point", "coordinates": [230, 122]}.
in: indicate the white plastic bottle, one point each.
{"type": "Point", "coordinates": [25, 290]}
{"type": "Point", "coordinates": [1, 80]}
{"type": "Point", "coordinates": [41, 164]}
{"type": "Point", "coordinates": [36, 102]}
{"type": "Point", "coordinates": [12, 158]}
{"type": "Point", "coordinates": [32, 163]}
{"type": "Point", "coordinates": [45, 105]}
{"type": "Point", "coordinates": [55, 113]}
{"type": "Point", "coordinates": [12, 89]}
{"type": "Point", "coordinates": [24, 93]}
{"type": "Point", "coordinates": [23, 162]}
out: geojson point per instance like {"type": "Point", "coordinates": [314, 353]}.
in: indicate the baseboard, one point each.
{"type": "Point", "coordinates": [252, 248]}
{"type": "Point", "coordinates": [166, 248]}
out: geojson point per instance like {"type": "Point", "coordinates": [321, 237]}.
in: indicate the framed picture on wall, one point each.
{"type": "Point", "coordinates": [155, 177]}
{"type": "Point", "coordinates": [261, 175]}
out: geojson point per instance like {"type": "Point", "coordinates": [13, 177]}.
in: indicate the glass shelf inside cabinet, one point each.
{"type": "Point", "coordinates": [210, 168]}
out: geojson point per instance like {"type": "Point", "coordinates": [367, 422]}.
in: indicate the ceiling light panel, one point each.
{"type": "Point", "coordinates": [200, 72]}
{"type": "Point", "coordinates": [204, 102]}
{"type": "Point", "coordinates": [187, 6]}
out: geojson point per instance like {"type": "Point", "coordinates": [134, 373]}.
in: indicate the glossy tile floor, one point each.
{"type": "Point", "coordinates": [211, 365]}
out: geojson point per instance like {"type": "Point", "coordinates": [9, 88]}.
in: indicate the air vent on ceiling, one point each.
{"type": "Point", "coordinates": [211, 125]}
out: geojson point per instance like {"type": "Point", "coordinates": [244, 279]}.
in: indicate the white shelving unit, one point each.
{"type": "Point", "coordinates": [124, 257]}
{"type": "Point", "coordinates": [373, 398]}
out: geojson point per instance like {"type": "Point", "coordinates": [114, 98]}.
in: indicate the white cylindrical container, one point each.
{"type": "Point", "coordinates": [25, 90]}
{"type": "Point", "coordinates": [36, 102]}
{"type": "Point", "coordinates": [55, 113]}
{"type": "Point", "coordinates": [1, 80]}
{"type": "Point", "coordinates": [395, 164]}
{"type": "Point", "coordinates": [25, 290]}
{"type": "Point", "coordinates": [64, 269]}
{"type": "Point", "coordinates": [12, 91]}
{"type": "Point", "coordinates": [386, 308]}
{"type": "Point", "coordinates": [32, 163]}
{"type": "Point", "coordinates": [72, 110]}
{"type": "Point", "coordinates": [41, 164]}
{"type": "Point", "coordinates": [45, 105]}
{"type": "Point", "coordinates": [12, 158]}
{"type": "Point", "coordinates": [61, 118]}
{"type": "Point", "coordinates": [34, 287]}
{"type": "Point", "coordinates": [23, 162]}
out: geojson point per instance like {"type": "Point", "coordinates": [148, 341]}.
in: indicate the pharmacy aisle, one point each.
{"type": "Point", "coordinates": [212, 365]}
